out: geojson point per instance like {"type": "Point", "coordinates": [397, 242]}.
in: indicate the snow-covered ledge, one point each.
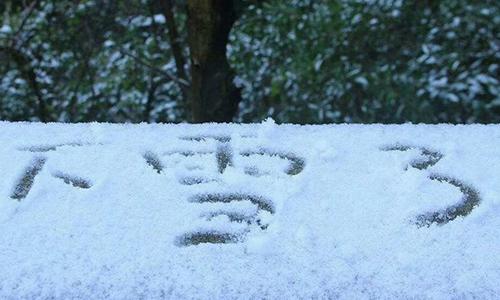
{"type": "Point", "coordinates": [249, 211]}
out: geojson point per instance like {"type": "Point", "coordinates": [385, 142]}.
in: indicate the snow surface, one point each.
{"type": "Point", "coordinates": [96, 211]}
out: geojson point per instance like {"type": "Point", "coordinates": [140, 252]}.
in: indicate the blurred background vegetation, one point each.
{"type": "Point", "coordinates": [301, 61]}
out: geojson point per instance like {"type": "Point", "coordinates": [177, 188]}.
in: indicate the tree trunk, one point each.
{"type": "Point", "coordinates": [176, 45]}
{"type": "Point", "coordinates": [213, 97]}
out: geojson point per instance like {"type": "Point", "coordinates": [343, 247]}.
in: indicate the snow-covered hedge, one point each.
{"type": "Point", "coordinates": [249, 211]}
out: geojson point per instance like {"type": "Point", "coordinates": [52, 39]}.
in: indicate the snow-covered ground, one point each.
{"type": "Point", "coordinates": [249, 211]}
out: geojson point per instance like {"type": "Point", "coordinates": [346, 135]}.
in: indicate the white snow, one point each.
{"type": "Point", "coordinates": [331, 211]}
{"type": "Point", "coordinates": [5, 29]}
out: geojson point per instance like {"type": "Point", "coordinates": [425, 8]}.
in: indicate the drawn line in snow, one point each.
{"type": "Point", "coordinates": [187, 153]}
{"type": "Point", "coordinates": [153, 160]}
{"type": "Point", "coordinates": [261, 202]}
{"type": "Point", "coordinates": [202, 138]}
{"type": "Point", "coordinates": [296, 165]}
{"type": "Point", "coordinates": [224, 156]}
{"type": "Point", "coordinates": [218, 138]}
{"type": "Point", "coordinates": [216, 237]}
{"type": "Point", "coordinates": [25, 183]}
{"type": "Point", "coordinates": [233, 216]}
{"type": "Point", "coordinates": [73, 180]}
{"type": "Point", "coordinates": [430, 157]}
{"type": "Point", "coordinates": [237, 217]}
{"type": "Point", "coordinates": [193, 180]}
{"type": "Point", "coordinates": [469, 201]}
{"type": "Point", "coordinates": [253, 171]}
{"type": "Point", "coordinates": [47, 148]}
{"type": "Point", "coordinates": [212, 237]}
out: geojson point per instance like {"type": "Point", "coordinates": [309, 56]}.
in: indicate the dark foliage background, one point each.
{"type": "Point", "coordinates": [301, 61]}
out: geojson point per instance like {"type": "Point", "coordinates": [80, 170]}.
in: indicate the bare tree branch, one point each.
{"type": "Point", "coordinates": [173, 35]}
{"type": "Point", "coordinates": [167, 74]}
{"type": "Point", "coordinates": [27, 71]}
{"type": "Point", "coordinates": [30, 9]}
{"type": "Point", "coordinates": [176, 46]}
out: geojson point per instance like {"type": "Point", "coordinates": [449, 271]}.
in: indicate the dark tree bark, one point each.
{"type": "Point", "coordinates": [176, 45]}
{"type": "Point", "coordinates": [213, 96]}
{"type": "Point", "coordinates": [174, 38]}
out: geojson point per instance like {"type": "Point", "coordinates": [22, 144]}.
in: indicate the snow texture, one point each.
{"type": "Point", "coordinates": [94, 211]}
